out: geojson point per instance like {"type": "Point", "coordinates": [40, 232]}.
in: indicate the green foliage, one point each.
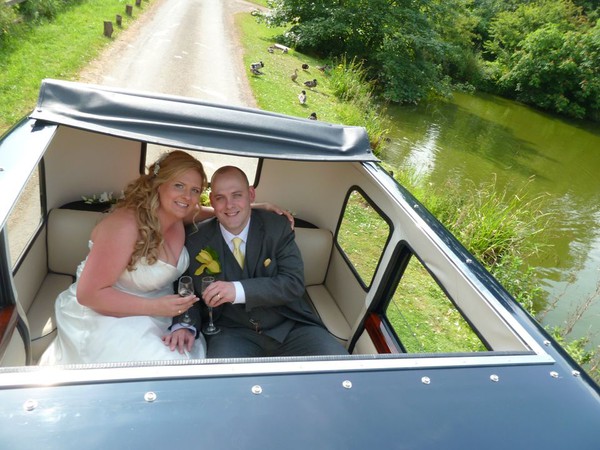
{"type": "Point", "coordinates": [8, 17]}
{"type": "Point", "coordinates": [547, 54]}
{"type": "Point", "coordinates": [349, 82]}
{"type": "Point", "coordinates": [575, 348]}
{"type": "Point", "coordinates": [34, 10]}
{"type": "Point", "coordinates": [541, 52]}
{"type": "Point", "coordinates": [399, 43]}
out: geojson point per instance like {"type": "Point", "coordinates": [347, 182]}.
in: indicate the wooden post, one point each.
{"type": "Point", "coordinates": [119, 20]}
{"type": "Point", "coordinates": [128, 10]}
{"type": "Point", "coordinates": [108, 28]}
{"type": "Point", "coordinates": [138, 2]}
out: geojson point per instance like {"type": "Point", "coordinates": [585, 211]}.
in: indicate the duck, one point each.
{"type": "Point", "coordinates": [255, 67]}
{"type": "Point", "coordinates": [294, 75]}
{"type": "Point", "coordinates": [302, 97]}
{"type": "Point", "coordinates": [323, 68]}
{"type": "Point", "coordinates": [313, 116]}
{"type": "Point", "coordinates": [311, 84]}
{"type": "Point", "coordinates": [304, 66]}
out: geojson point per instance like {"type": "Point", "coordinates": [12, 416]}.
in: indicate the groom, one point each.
{"type": "Point", "coordinates": [258, 296]}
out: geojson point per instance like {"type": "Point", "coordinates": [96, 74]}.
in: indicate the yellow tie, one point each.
{"type": "Point", "coordinates": [237, 252]}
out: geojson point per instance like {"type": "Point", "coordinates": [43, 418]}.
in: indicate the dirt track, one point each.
{"type": "Point", "coordinates": [181, 48]}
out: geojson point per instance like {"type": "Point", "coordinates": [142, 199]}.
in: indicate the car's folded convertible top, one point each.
{"type": "Point", "coordinates": [185, 123]}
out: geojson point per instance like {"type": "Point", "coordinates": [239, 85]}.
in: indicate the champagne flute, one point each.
{"type": "Point", "coordinates": [210, 328]}
{"type": "Point", "coordinates": [185, 288]}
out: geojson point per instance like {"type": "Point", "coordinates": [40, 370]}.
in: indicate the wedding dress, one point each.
{"type": "Point", "coordinates": [84, 336]}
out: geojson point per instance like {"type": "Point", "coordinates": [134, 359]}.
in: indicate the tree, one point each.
{"type": "Point", "coordinates": [400, 41]}
{"type": "Point", "coordinates": [545, 53]}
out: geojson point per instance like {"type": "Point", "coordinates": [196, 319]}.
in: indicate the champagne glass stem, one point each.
{"type": "Point", "coordinates": [210, 317]}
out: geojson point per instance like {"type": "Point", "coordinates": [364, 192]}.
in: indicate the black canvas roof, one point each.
{"type": "Point", "coordinates": [194, 124]}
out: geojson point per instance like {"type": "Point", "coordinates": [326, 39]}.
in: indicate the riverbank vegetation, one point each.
{"type": "Point", "coordinates": [496, 227]}
{"type": "Point", "coordinates": [545, 53]}
{"type": "Point", "coordinates": [49, 39]}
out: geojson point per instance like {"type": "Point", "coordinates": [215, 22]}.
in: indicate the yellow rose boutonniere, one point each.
{"type": "Point", "coordinates": [267, 262]}
{"type": "Point", "coordinates": [209, 262]}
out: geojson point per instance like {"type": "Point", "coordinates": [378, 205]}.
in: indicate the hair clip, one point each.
{"type": "Point", "coordinates": [157, 163]}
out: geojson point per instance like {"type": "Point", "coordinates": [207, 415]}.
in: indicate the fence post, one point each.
{"type": "Point", "coordinates": [108, 28]}
{"type": "Point", "coordinates": [128, 10]}
{"type": "Point", "coordinates": [119, 20]}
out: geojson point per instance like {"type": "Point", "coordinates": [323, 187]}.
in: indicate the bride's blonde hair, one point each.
{"type": "Point", "coordinates": [141, 196]}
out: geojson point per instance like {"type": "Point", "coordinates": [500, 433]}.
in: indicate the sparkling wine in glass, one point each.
{"type": "Point", "coordinates": [185, 288]}
{"type": "Point", "coordinates": [210, 328]}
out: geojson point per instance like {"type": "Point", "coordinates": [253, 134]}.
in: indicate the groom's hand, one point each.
{"type": "Point", "coordinates": [218, 293]}
{"type": "Point", "coordinates": [182, 339]}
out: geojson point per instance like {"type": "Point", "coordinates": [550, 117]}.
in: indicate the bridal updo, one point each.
{"type": "Point", "coordinates": [141, 196]}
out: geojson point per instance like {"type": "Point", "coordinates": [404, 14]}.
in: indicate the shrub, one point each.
{"type": "Point", "coordinates": [8, 17]}
{"type": "Point", "coordinates": [34, 10]}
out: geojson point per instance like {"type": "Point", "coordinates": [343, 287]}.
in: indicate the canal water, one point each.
{"type": "Point", "coordinates": [482, 138]}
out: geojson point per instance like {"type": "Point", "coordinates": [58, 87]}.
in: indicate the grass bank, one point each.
{"type": "Point", "coordinates": [53, 48]}
{"type": "Point", "coordinates": [340, 96]}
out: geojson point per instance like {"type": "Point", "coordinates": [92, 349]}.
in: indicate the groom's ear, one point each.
{"type": "Point", "coordinates": [251, 194]}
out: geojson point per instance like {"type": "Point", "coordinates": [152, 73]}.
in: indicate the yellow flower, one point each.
{"type": "Point", "coordinates": [209, 261]}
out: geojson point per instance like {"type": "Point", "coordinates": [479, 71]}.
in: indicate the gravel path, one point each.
{"type": "Point", "coordinates": [187, 48]}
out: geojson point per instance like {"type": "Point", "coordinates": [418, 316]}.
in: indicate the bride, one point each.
{"type": "Point", "coordinates": [122, 303]}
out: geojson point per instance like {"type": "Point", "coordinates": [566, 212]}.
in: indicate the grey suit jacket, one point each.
{"type": "Point", "coordinates": [273, 275]}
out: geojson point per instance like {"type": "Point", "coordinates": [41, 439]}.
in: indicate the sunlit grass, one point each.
{"type": "Point", "coordinates": [53, 49]}
{"type": "Point", "coordinates": [275, 90]}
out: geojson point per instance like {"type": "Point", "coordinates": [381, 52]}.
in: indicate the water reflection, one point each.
{"type": "Point", "coordinates": [422, 153]}
{"type": "Point", "coordinates": [481, 137]}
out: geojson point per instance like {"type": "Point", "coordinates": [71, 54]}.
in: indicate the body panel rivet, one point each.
{"type": "Point", "coordinates": [347, 384]}
{"type": "Point", "coordinates": [554, 374]}
{"type": "Point", "coordinates": [495, 378]}
{"type": "Point", "coordinates": [256, 389]}
{"type": "Point", "coordinates": [150, 396]}
{"type": "Point", "coordinates": [30, 405]}
{"type": "Point", "coordinates": [425, 380]}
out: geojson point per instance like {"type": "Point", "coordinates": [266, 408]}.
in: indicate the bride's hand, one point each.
{"type": "Point", "coordinates": [181, 340]}
{"type": "Point", "coordinates": [276, 209]}
{"type": "Point", "coordinates": [174, 305]}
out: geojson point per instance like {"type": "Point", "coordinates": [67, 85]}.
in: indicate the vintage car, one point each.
{"type": "Point", "coordinates": [387, 279]}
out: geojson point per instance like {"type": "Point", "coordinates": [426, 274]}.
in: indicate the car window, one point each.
{"type": "Point", "coordinates": [419, 312]}
{"type": "Point", "coordinates": [25, 218]}
{"type": "Point", "coordinates": [425, 319]}
{"type": "Point", "coordinates": [210, 161]}
{"type": "Point", "coordinates": [362, 235]}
